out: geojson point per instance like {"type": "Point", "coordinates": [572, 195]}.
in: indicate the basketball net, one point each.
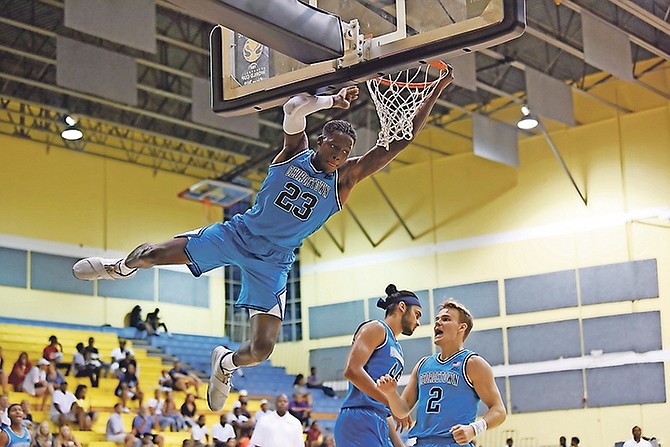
{"type": "Point", "coordinates": [398, 96]}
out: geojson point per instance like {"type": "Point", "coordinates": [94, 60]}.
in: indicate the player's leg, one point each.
{"type": "Point", "coordinates": [145, 256]}
{"type": "Point", "coordinates": [264, 332]}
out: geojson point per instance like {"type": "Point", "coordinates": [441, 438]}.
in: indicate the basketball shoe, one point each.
{"type": "Point", "coordinates": [219, 380]}
{"type": "Point", "coordinates": [90, 269]}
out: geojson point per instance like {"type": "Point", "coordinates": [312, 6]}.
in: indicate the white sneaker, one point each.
{"type": "Point", "coordinates": [219, 380]}
{"type": "Point", "coordinates": [89, 269]}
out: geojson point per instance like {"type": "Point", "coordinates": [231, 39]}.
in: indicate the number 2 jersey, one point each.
{"type": "Point", "coordinates": [387, 358]}
{"type": "Point", "coordinates": [446, 396]}
{"type": "Point", "coordinates": [294, 201]}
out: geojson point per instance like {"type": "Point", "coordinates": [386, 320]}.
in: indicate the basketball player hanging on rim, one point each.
{"type": "Point", "coordinates": [303, 188]}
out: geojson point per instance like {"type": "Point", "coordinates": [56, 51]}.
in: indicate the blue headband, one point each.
{"type": "Point", "coordinates": [410, 300]}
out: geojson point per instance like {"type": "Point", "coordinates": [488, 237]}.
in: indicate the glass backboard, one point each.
{"type": "Point", "coordinates": [381, 36]}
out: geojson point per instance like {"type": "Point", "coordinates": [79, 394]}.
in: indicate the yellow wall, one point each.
{"type": "Point", "coordinates": [494, 222]}
{"type": "Point", "coordinates": [86, 203]}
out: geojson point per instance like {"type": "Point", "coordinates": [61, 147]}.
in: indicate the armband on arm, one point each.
{"type": "Point", "coordinates": [480, 426]}
{"type": "Point", "coordinates": [298, 107]}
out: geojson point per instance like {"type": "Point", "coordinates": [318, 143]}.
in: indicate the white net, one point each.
{"type": "Point", "coordinates": [398, 97]}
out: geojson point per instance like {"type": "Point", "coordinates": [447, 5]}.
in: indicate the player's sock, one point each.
{"type": "Point", "coordinates": [227, 363]}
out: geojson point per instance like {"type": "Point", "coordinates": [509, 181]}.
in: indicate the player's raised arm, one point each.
{"type": "Point", "coordinates": [376, 158]}
{"type": "Point", "coordinates": [296, 110]}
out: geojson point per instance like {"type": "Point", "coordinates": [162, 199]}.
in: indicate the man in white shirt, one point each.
{"type": "Point", "coordinates": [115, 431]}
{"type": "Point", "coordinates": [118, 355]}
{"type": "Point", "coordinates": [63, 409]}
{"type": "Point", "coordinates": [637, 440]}
{"type": "Point", "coordinates": [4, 405]}
{"type": "Point", "coordinates": [279, 428]}
{"type": "Point", "coordinates": [222, 432]}
{"type": "Point", "coordinates": [264, 410]}
{"type": "Point", "coordinates": [199, 433]}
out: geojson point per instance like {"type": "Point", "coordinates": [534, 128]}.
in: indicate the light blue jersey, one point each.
{"type": "Point", "coordinates": [294, 201]}
{"type": "Point", "coordinates": [387, 358]}
{"type": "Point", "coordinates": [362, 420]}
{"type": "Point", "coordinates": [445, 397]}
{"type": "Point", "coordinates": [15, 440]}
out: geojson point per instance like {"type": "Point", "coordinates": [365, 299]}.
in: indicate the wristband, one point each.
{"type": "Point", "coordinates": [479, 426]}
{"type": "Point", "coordinates": [298, 107]}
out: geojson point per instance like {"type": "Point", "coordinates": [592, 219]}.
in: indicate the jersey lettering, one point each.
{"type": "Point", "coordinates": [288, 200]}
{"type": "Point", "coordinates": [396, 371]}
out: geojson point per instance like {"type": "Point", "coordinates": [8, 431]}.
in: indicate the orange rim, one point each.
{"type": "Point", "coordinates": [440, 65]}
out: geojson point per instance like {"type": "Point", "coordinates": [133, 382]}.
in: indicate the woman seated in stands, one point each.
{"type": "Point", "coordinates": [188, 410]}
{"type": "Point", "coordinates": [19, 371]}
{"type": "Point", "coordinates": [82, 368]}
{"type": "Point", "coordinates": [35, 382]}
{"type": "Point", "coordinates": [43, 436]}
{"type": "Point", "coordinates": [135, 320]}
{"type": "Point", "coordinates": [300, 388]}
{"type": "Point", "coordinates": [86, 417]}
{"type": "Point", "coordinates": [65, 438]}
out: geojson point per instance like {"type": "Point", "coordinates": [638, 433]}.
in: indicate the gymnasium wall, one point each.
{"type": "Point", "coordinates": [556, 278]}
{"type": "Point", "coordinates": [58, 206]}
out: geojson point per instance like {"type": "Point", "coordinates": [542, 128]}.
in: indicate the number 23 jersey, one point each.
{"type": "Point", "coordinates": [294, 201]}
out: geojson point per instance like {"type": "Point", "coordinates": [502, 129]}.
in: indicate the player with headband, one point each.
{"type": "Point", "coordinates": [375, 352]}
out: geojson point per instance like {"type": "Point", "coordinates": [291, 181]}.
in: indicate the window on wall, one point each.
{"type": "Point", "coordinates": [237, 320]}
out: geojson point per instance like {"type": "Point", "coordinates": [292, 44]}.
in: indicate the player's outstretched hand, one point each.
{"type": "Point", "coordinates": [462, 433]}
{"type": "Point", "coordinates": [387, 384]}
{"type": "Point", "coordinates": [403, 424]}
{"type": "Point", "coordinates": [344, 97]}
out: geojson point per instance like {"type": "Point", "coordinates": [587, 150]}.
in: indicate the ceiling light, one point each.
{"type": "Point", "coordinates": [71, 120]}
{"type": "Point", "coordinates": [528, 121]}
{"type": "Point", "coordinates": [71, 133]}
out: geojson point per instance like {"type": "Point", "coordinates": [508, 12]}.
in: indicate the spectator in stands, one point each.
{"type": "Point", "coordinates": [54, 377]}
{"type": "Point", "coordinates": [3, 375]}
{"type": "Point", "coordinates": [119, 355]}
{"type": "Point", "coordinates": [243, 397]}
{"type": "Point", "coordinates": [300, 388]}
{"type": "Point", "coordinates": [144, 424]}
{"type": "Point", "coordinates": [509, 442]}
{"type": "Point", "coordinates": [574, 441]}
{"type": "Point", "coordinates": [129, 387]}
{"type": "Point", "coordinates": [240, 422]}
{"type": "Point", "coordinates": [54, 353]}
{"type": "Point", "coordinates": [263, 411]}
{"type": "Point", "coordinates": [27, 415]}
{"type": "Point", "coordinates": [279, 429]}
{"type": "Point", "coordinates": [170, 411]}
{"type": "Point", "coordinates": [19, 371]}
{"type": "Point", "coordinates": [82, 368]}
{"type": "Point", "coordinates": [165, 382]}
{"type": "Point", "coordinates": [86, 417]}
{"type": "Point", "coordinates": [313, 435]}
{"type": "Point", "coordinates": [115, 432]}
{"type": "Point", "coordinates": [43, 436]}
{"type": "Point", "coordinates": [129, 360]}
{"type": "Point", "coordinates": [222, 432]}
{"type": "Point", "coordinates": [4, 410]}
{"type": "Point", "coordinates": [188, 410]}
{"type": "Point", "coordinates": [135, 320]}
{"type": "Point", "coordinates": [199, 433]}
{"type": "Point", "coordinates": [182, 379]}
{"type": "Point", "coordinates": [66, 438]}
{"type": "Point", "coordinates": [35, 382]}
{"type": "Point", "coordinates": [300, 408]}
{"type": "Point", "coordinates": [314, 382]}
{"type": "Point", "coordinates": [154, 321]}
{"type": "Point", "coordinates": [155, 407]}
{"type": "Point", "coordinates": [637, 440]}
{"type": "Point", "coordinates": [15, 435]}
{"type": "Point", "coordinates": [92, 357]}
{"type": "Point", "coordinates": [562, 442]}
{"type": "Point", "coordinates": [63, 408]}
